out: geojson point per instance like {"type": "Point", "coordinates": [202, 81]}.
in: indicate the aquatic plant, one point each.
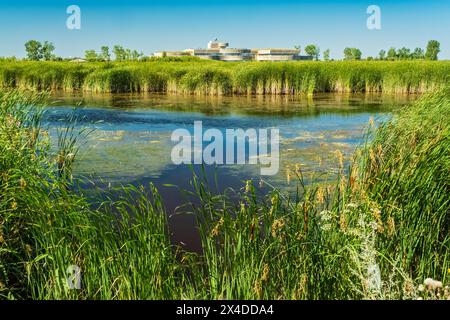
{"type": "Point", "coordinates": [188, 76]}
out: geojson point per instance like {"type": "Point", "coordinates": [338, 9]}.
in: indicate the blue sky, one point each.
{"type": "Point", "coordinates": [174, 24]}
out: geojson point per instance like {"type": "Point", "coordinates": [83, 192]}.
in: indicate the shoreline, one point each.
{"type": "Point", "coordinates": [210, 78]}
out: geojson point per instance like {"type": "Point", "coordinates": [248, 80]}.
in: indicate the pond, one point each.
{"type": "Point", "coordinates": [129, 140]}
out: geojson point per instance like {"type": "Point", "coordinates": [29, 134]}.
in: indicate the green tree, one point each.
{"type": "Point", "coordinates": [120, 53]}
{"type": "Point", "coordinates": [352, 54]}
{"type": "Point", "coordinates": [433, 49]}
{"type": "Point", "coordinates": [128, 55]}
{"type": "Point", "coordinates": [91, 55]}
{"type": "Point", "coordinates": [34, 50]}
{"type": "Point", "coordinates": [404, 53]}
{"type": "Point", "coordinates": [326, 55]}
{"type": "Point", "coordinates": [105, 55]}
{"type": "Point", "coordinates": [356, 54]}
{"type": "Point", "coordinates": [135, 55]}
{"type": "Point", "coordinates": [47, 51]}
{"type": "Point", "coordinates": [382, 54]}
{"type": "Point", "coordinates": [313, 50]}
{"type": "Point", "coordinates": [347, 53]}
{"type": "Point", "coordinates": [392, 54]}
{"type": "Point", "coordinates": [418, 53]}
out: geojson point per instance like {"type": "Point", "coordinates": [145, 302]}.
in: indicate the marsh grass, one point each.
{"type": "Point", "coordinates": [374, 234]}
{"type": "Point", "coordinates": [46, 227]}
{"type": "Point", "coordinates": [377, 232]}
{"type": "Point", "coordinates": [190, 76]}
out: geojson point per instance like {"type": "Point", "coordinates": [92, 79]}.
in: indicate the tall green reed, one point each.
{"type": "Point", "coordinates": [219, 78]}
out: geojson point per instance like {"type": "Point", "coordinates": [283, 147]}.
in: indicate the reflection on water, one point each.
{"type": "Point", "coordinates": [131, 141]}
{"type": "Point", "coordinates": [261, 105]}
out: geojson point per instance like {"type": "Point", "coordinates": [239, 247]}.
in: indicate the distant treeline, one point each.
{"type": "Point", "coordinates": [430, 53]}
{"type": "Point", "coordinates": [38, 51]}
{"type": "Point", "coordinates": [194, 76]}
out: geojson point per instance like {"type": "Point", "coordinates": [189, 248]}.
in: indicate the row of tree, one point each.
{"type": "Point", "coordinates": [38, 51]}
{"type": "Point", "coordinates": [431, 53]}
{"type": "Point", "coordinates": [121, 54]}
{"type": "Point", "coordinates": [314, 51]}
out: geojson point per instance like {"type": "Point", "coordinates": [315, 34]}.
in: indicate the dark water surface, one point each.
{"type": "Point", "coordinates": [130, 142]}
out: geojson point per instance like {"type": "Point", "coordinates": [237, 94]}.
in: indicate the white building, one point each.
{"type": "Point", "coordinates": [216, 44]}
{"type": "Point", "coordinates": [218, 50]}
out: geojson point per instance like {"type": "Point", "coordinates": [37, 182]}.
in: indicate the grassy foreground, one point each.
{"type": "Point", "coordinates": [378, 232]}
{"type": "Point", "coordinates": [194, 76]}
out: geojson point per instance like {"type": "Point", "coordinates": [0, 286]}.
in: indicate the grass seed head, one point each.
{"type": "Point", "coordinates": [277, 226]}
{"type": "Point", "coordinates": [265, 274]}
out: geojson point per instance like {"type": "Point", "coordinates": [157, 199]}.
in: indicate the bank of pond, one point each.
{"type": "Point", "coordinates": [202, 77]}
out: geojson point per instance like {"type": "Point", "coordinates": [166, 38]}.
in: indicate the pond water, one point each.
{"type": "Point", "coordinates": [130, 139]}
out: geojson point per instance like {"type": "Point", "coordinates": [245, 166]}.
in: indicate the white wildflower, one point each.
{"type": "Point", "coordinates": [432, 285]}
